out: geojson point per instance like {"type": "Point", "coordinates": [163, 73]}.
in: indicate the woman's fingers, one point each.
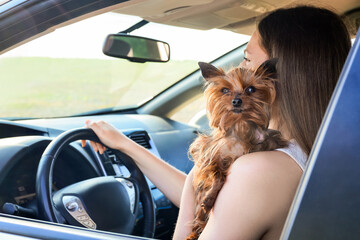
{"type": "Point", "coordinates": [107, 134]}
{"type": "Point", "coordinates": [83, 143]}
{"type": "Point", "coordinates": [94, 146]}
{"type": "Point", "coordinates": [98, 147]}
{"type": "Point", "coordinates": [87, 123]}
{"type": "Point", "coordinates": [101, 148]}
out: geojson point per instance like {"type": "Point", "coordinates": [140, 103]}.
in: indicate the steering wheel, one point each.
{"type": "Point", "coordinates": [107, 203]}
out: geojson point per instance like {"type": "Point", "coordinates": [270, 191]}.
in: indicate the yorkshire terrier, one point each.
{"type": "Point", "coordinates": [238, 107]}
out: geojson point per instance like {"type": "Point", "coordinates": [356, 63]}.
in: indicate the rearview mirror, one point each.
{"type": "Point", "coordinates": [136, 49]}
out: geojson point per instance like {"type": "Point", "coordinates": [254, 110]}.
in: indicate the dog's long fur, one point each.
{"type": "Point", "coordinates": [235, 130]}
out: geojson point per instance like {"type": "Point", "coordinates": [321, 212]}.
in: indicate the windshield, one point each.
{"type": "Point", "coordinates": [65, 73]}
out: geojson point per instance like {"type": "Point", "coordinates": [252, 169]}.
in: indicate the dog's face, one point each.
{"type": "Point", "coordinates": [238, 97]}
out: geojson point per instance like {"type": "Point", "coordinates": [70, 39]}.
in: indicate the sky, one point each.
{"type": "Point", "coordinates": [84, 39]}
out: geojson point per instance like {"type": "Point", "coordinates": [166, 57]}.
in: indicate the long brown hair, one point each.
{"type": "Point", "coordinates": [311, 45]}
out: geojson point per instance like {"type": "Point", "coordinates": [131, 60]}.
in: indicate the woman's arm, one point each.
{"type": "Point", "coordinates": [255, 198]}
{"type": "Point", "coordinates": [165, 177]}
{"type": "Point", "coordinates": [187, 210]}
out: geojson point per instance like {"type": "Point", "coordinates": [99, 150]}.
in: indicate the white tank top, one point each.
{"type": "Point", "coordinates": [296, 153]}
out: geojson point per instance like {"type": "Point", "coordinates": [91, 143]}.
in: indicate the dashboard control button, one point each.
{"type": "Point", "coordinates": [72, 206]}
{"type": "Point", "coordinates": [89, 224]}
{"type": "Point", "coordinates": [76, 209]}
{"type": "Point", "coordinates": [82, 217]}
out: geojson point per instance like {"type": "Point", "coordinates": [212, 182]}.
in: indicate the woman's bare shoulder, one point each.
{"type": "Point", "coordinates": [257, 193]}
{"type": "Point", "coordinates": [266, 163]}
{"type": "Point", "coordinates": [271, 173]}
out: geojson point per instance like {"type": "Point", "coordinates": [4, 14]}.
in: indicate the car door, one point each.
{"type": "Point", "coordinates": [327, 204]}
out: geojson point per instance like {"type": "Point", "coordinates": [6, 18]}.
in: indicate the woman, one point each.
{"type": "Point", "coordinates": [311, 45]}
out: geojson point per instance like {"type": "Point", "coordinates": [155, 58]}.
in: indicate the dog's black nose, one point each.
{"type": "Point", "coordinates": [236, 102]}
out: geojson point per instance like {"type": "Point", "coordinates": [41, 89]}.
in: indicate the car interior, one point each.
{"type": "Point", "coordinates": [47, 177]}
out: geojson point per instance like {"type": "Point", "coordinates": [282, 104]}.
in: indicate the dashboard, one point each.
{"type": "Point", "coordinates": [23, 142]}
{"type": "Point", "coordinates": [18, 182]}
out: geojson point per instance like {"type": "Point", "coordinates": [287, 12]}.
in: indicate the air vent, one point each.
{"type": "Point", "coordinates": [141, 138]}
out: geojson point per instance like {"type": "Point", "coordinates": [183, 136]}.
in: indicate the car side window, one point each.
{"type": "Point", "coordinates": [190, 110]}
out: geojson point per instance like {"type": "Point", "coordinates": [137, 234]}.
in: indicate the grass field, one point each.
{"type": "Point", "coordinates": [46, 87]}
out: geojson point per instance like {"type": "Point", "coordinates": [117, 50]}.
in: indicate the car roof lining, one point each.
{"type": "Point", "coordinates": [233, 15]}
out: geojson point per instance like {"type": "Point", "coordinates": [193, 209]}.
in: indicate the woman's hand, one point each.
{"type": "Point", "coordinates": [167, 178]}
{"type": "Point", "coordinates": [107, 134]}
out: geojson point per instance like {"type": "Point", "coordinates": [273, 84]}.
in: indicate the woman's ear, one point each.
{"type": "Point", "coordinates": [268, 68]}
{"type": "Point", "coordinates": [209, 71]}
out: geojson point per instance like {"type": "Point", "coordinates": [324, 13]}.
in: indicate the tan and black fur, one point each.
{"type": "Point", "coordinates": [239, 108]}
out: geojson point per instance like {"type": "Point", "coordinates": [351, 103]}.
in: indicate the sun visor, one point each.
{"type": "Point", "coordinates": [237, 16]}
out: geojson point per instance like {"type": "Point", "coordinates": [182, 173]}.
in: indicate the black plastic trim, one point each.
{"type": "Point", "coordinates": [33, 17]}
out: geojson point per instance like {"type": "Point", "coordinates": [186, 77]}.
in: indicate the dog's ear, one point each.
{"type": "Point", "coordinates": [268, 68]}
{"type": "Point", "coordinates": [209, 71]}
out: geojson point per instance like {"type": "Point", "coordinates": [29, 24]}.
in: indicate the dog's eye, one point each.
{"type": "Point", "coordinates": [225, 90]}
{"type": "Point", "coordinates": [250, 90]}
